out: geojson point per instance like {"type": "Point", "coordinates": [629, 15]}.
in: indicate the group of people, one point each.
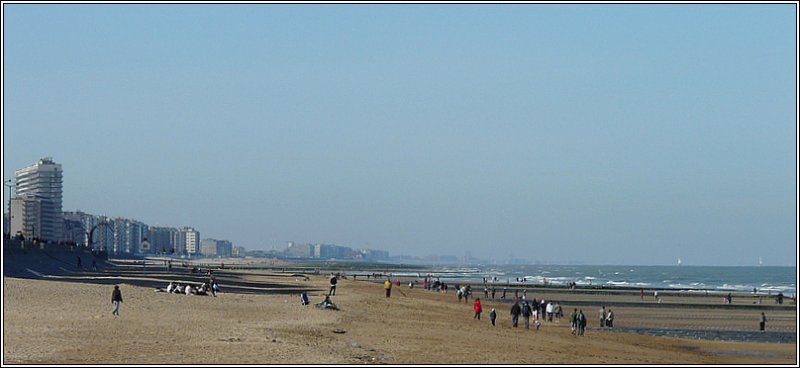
{"type": "Point", "coordinates": [535, 311]}
{"type": "Point", "coordinates": [606, 318]}
{"type": "Point", "coordinates": [438, 286]}
{"type": "Point", "coordinates": [577, 322]}
{"type": "Point", "coordinates": [463, 292]}
{"type": "Point", "coordinates": [325, 304]}
{"type": "Point", "coordinates": [189, 289]}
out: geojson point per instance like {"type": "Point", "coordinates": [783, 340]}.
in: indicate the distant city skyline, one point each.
{"type": "Point", "coordinates": [563, 133]}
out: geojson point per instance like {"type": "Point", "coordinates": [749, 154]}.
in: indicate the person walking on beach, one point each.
{"type": "Point", "coordinates": [477, 308]}
{"type": "Point", "coordinates": [573, 321]}
{"type": "Point", "coordinates": [214, 288]}
{"type": "Point", "coordinates": [493, 316]}
{"type": "Point", "coordinates": [515, 312]}
{"type": "Point", "coordinates": [559, 312]}
{"type": "Point", "coordinates": [602, 316]}
{"type": "Point", "coordinates": [333, 285]}
{"type": "Point", "coordinates": [526, 314]}
{"type": "Point", "coordinates": [641, 293]}
{"type": "Point", "coordinates": [485, 292]}
{"type": "Point", "coordinates": [762, 323]}
{"type": "Point", "coordinates": [116, 299]}
{"type": "Point", "coordinates": [493, 290]}
{"type": "Point", "coordinates": [581, 322]}
{"type": "Point", "coordinates": [610, 319]}
{"type": "Point", "coordinates": [504, 294]}
{"type": "Point", "coordinates": [542, 308]}
{"type": "Point", "coordinates": [388, 286]}
{"type": "Point", "coordinates": [549, 310]}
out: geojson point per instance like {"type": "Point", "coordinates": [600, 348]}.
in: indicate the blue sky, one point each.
{"type": "Point", "coordinates": [607, 134]}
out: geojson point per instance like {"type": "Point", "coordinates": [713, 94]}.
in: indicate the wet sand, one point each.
{"type": "Point", "coordinates": [258, 319]}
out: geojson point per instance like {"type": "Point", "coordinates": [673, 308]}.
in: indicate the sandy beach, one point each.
{"type": "Point", "coordinates": [258, 318]}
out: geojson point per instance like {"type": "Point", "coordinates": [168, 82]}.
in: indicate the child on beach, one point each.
{"type": "Point", "coordinates": [388, 287]}
{"type": "Point", "coordinates": [493, 316]}
{"type": "Point", "coordinates": [477, 308]}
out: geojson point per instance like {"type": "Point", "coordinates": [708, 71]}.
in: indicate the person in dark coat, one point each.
{"type": "Point", "coordinates": [581, 323]}
{"type": "Point", "coordinates": [333, 285]}
{"type": "Point", "coordinates": [762, 322]}
{"type": "Point", "coordinates": [516, 310]}
{"type": "Point", "coordinates": [527, 312]}
{"type": "Point", "coordinates": [116, 299]}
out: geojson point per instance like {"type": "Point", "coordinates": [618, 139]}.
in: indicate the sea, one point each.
{"type": "Point", "coordinates": [767, 280]}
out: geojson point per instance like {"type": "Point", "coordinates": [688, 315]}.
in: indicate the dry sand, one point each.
{"type": "Point", "coordinates": [261, 321]}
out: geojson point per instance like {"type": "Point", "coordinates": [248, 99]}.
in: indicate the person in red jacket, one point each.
{"type": "Point", "coordinates": [477, 308]}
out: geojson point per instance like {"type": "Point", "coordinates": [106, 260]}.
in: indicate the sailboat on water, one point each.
{"type": "Point", "coordinates": [679, 261]}
{"type": "Point", "coordinates": [760, 262]}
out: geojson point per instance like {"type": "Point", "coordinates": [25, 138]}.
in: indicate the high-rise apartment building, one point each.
{"type": "Point", "coordinates": [38, 199]}
{"type": "Point", "coordinates": [78, 225]}
{"type": "Point", "coordinates": [128, 236]}
{"type": "Point", "coordinates": [191, 241]}
{"type": "Point", "coordinates": [163, 239]}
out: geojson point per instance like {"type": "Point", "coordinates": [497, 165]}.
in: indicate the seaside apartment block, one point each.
{"type": "Point", "coordinates": [189, 241]}
{"type": "Point", "coordinates": [331, 251]}
{"type": "Point", "coordinates": [216, 248]}
{"type": "Point", "coordinates": [163, 239]}
{"type": "Point", "coordinates": [36, 205]}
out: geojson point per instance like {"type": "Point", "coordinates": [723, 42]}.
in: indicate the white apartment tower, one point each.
{"type": "Point", "coordinates": [191, 241]}
{"type": "Point", "coordinates": [38, 199]}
